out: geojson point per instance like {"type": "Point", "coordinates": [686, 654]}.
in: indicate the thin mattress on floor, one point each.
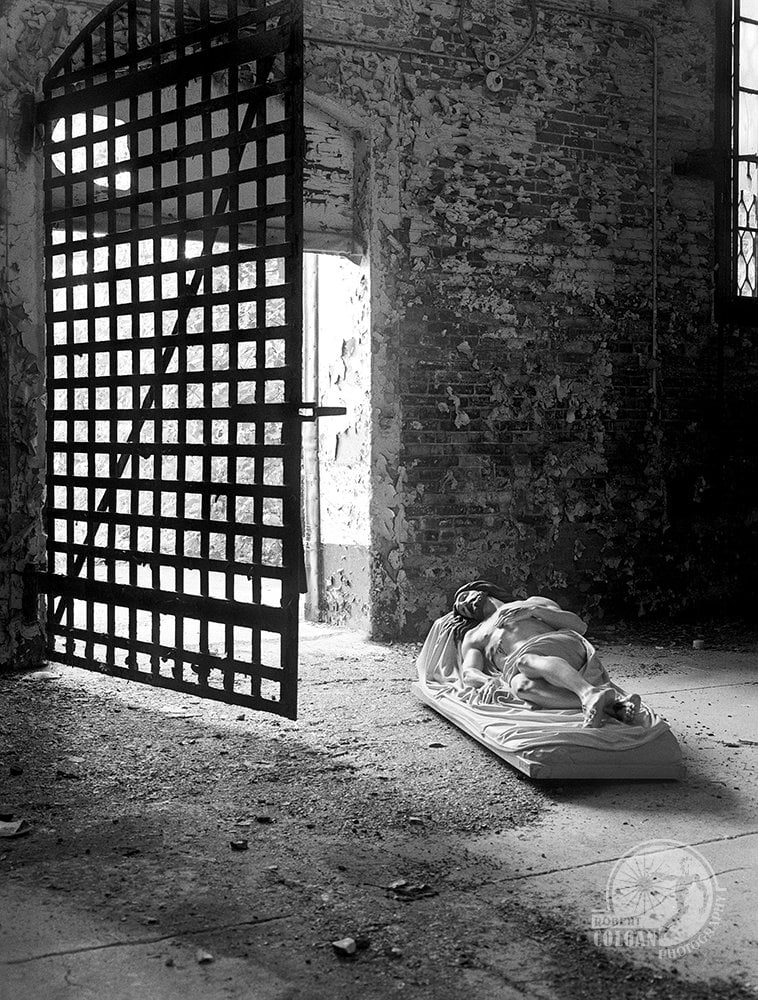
{"type": "Point", "coordinates": [544, 743]}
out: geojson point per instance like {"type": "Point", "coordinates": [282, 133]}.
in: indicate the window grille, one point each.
{"type": "Point", "coordinates": [737, 148]}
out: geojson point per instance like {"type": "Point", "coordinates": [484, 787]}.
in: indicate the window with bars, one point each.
{"type": "Point", "coordinates": [737, 148]}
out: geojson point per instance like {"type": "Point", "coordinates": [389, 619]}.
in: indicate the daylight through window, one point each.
{"type": "Point", "coordinates": [76, 127]}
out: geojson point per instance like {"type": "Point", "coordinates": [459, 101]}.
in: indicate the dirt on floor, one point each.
{"type": "Point", "coordinates": [263, 840]}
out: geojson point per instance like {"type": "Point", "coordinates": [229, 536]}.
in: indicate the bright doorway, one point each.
{"type": "Point", "coordinates": [336, 450]}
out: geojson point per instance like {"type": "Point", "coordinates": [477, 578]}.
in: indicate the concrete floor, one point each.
{"type": "Point", "coordinates": [711, 702]}
{"type": "Point", "coordinates": [548, 860]}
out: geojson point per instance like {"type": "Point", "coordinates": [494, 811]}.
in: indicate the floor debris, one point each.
{"type": "Point", "coordinates": [401, 889]}
{"type": "Point", "coordinates": [15, 828]}
{"type": "Point", "coordinates": [42, 675]}
{"type": "Point", "coordinates": [62, 775]}
{"type": "Point", "coordinates": [487, 927]}
{"type": "Point", "coordinates": [345, 946]}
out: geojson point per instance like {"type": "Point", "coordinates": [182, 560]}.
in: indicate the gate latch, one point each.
{"type": "Point", "coordinates": [317, 411]}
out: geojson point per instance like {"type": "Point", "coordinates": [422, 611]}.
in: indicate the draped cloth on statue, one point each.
{"type": "Point", "coordinates": [544, 743]}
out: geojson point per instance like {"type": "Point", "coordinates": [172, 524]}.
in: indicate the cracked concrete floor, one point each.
{"type": "Point", "coordinates": [127, 887]}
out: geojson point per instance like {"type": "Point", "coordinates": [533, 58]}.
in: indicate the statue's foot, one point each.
{"type": "Point", "coordinates": [596, 705]}
{"type": "Point", "coordinates": [626, 709]}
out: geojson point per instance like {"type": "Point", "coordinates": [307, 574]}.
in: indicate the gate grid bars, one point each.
{"type": "Point", "coordinates": [173, 208]}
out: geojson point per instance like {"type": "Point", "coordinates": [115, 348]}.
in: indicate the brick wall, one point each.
{"type": "Point", "coordinates": [554, 426]}
{"type": "Point", "coordinates": [514, 431]}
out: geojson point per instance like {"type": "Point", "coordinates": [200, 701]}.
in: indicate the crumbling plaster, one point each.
{"type": "Point", "coordinates": [376, 208]}
{"type": "Point", "coordinates": [344, 356]}
{"type": "Point", "coordinates": [509, 235]}
{"type": "Point", "coordinates": [31, 35]}
{"type": "Point", "coordinates": [543, 342]}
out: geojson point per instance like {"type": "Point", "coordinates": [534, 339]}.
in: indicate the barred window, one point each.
{"type": "Point", "coordinates": [737, 148]}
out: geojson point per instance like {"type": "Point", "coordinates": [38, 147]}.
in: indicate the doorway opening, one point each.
{"type": "Point", "coordinates": [336, 452]}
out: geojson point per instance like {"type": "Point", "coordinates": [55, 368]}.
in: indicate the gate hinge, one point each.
{"type": "Point", "coordinates": [320, 411]}
{"type": "Point", "coordinates": [28, 124]}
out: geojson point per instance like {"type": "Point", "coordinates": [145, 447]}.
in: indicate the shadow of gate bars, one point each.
{"type": "Point", "coordinates": [173, 232]}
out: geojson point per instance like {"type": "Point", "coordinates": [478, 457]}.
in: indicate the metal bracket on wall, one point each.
{"type": "Point", "coordinates": [320, 411]}
{"type": "Point", "coordinates": [28, 124]}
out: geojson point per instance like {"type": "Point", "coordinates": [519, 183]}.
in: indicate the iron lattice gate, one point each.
{"type": "Point", "coordinates": [173, 207]}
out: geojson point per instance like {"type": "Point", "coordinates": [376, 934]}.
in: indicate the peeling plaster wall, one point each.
{"type": "Point", "coordinates": [534, 244]}
{"type": "Point", "coordinates": [513, 430]}
{"type": "Point", "coordinates": [31, 36]}
{"type": "Point", "coordinates": [329, 185]}
{"type": "Point", "coordinates": [344, 441]}
{"type": "Point", "coordinates": [530, 424]}
{"type": "Point", "coordinates": [362, 93]}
